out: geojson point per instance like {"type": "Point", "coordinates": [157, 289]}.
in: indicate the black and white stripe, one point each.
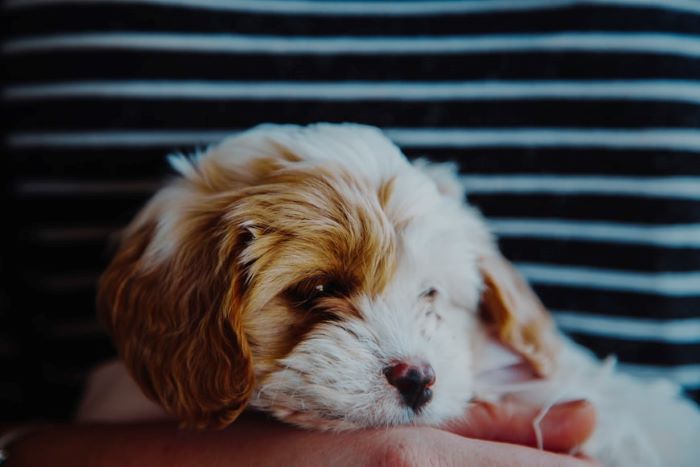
{"type": "Point", "coordinates": [576, 124]}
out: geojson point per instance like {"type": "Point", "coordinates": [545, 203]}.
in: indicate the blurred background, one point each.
{"type": "Point", "coordinates": [576, 125]}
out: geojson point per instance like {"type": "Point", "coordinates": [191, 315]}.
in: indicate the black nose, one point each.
{"type": "Point", "coordinates": [413, 382]}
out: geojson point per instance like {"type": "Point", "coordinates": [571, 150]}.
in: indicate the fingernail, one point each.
{"type": "Point", "coordinates": [574, 404]}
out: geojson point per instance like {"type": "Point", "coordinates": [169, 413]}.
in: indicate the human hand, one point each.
{"type": "Point", "coordinates": [255, 440]}
{"type": "Point", "coordinates": [564, 428]}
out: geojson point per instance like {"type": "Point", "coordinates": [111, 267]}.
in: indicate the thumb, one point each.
{"type": "Point", "coordinates": [564, 427]}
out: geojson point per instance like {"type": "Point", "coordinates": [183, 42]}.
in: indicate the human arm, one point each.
{"type": "Point", "coordinates": [256, 440]}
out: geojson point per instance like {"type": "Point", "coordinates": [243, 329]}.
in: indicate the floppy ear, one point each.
{"type": "Point", "coordinates": [176, 321]}
{"type": "Point", "coordinates": [173, 297]}
{"type": "Point", "coordinates": [515, 315]}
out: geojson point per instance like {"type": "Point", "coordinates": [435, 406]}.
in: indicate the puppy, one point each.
{"type": "Point", "coordinates": [316, 274]}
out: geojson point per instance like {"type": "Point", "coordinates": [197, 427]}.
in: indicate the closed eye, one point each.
{"type": "Point", "coordinates": [430, 293]}
{"type": "Point", "coordinates": [308, 291]}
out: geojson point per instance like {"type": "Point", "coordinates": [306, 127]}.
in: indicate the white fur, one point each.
{"type": "Point", "coordinates": [334, 380]}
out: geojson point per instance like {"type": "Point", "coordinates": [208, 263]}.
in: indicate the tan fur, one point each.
{"type": "Point", "coordinates": [290, 266]}
{"type": "Point", "coordinates": [516, 316]}
{"type": "Point", "coordinates": [255, 242]}
{"type": "Point", "coordinates": [190, 325]}
{"type": "Point", "coordinates": [175, 321]}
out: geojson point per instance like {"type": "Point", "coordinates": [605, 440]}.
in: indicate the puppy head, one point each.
{"type": "Point", "coordinates": [313, 273]}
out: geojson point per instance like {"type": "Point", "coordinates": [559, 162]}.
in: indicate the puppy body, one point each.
{"type": "Point", "coordinates": [289, 267]}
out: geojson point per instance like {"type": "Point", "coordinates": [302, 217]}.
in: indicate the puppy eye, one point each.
{"type": "Point", "coordinates": [429, 293]}
{"type": "Point", "coordinates": [329, 289]}
{"type": "Point", "coordinates": [318, 291]}
{"type": "Point", "coordinates": [309, 291]}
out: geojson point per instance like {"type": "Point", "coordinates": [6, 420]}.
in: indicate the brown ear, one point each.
{"type": "Point", "coordinates": [176, 323]}
{"type": "Point", "coordinates": [515, 315]}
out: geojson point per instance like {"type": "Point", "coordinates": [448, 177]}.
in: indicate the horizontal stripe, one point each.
{"type": "Point", "coordinates": [665, 187]}
{"type": "Point", "coordinates": [363, 8]}
{"type": "Point", "coordinates": [672, 331]}
{"type": "Point", "coordinates": [673, 236]}
{"type": "Point", "coordinates": [163, 114]}
{"type": "Point", "coordinates": [640, 351]}
{"type": "Point", "coordinates": [115, 17]}
{"type": "Point", "coordinates": [587, 207]}
{"type": "Point", "coordinates": [570, 160]}
{"type": "Point", "coordinates": [679, 139]}
{"type": "Point", "coordinates": [119, 138]}
{"type": "Point", "coordinates": [149, 162]}
{"type": "Point", "coordinates": [69, 65]}
{"type": "Point", "coordinates": [675, 139]}
{"type": "Point", "coordinates": [623, 303]}
{"type": "Point", "coordinates": [43, 162]}
{"type": "Point", "coordinates": [645, 43]}
{"type": "Point", "coordinates": [662, 283]}
{"type": "Point", "coordinates": [685, 375]}
{"type": "Point", "coordinates": [662, 90]}
{"type": "Point", "coordinates": [605, 255]}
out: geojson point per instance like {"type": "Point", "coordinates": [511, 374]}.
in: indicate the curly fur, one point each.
{"type": "Point", "coordinates": [288, 266]}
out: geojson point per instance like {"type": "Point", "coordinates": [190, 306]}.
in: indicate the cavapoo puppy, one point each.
{"type": "Point", "coordinates": [316, 274]}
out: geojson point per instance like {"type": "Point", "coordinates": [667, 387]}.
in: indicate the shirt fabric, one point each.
{"type": "Point", "coordinates": [576, 126]}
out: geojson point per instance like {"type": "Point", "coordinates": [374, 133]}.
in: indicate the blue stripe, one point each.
{"type": "Point", "coordinates": [640, 90]}
{"type": "Point", "coordinates": [600, 42]}
{"type": "Point", "coordinates": [669, 236]}
{"type": "Point", "coordinates": [684, 139]}
{"type": "Point", "coordinates": [599, 185]}
{"type": "Point", "coordinates": [676, 284]}
{"type": "Point", "coordinates": [682, 331]}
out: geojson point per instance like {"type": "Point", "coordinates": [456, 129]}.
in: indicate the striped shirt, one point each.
{"type": "Point", "coordinates": [576, 125]}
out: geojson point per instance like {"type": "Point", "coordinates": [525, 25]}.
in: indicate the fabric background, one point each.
{"type": "Point", "coordinates": [575, 123]}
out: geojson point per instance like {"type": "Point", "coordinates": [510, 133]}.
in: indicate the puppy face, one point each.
{"type": "Point", "coordinates": [313, 273]}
